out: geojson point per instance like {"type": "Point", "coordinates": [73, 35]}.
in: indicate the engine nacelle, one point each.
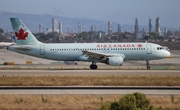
{"type": "Point", "coordinates": [114, 61]}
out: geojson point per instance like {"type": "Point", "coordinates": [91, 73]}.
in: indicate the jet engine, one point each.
{"type": "Point", "coordinates": [114, 61]}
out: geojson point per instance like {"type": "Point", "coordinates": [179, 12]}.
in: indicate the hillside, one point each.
{"type": "Point", "coordinates": [33, 21]}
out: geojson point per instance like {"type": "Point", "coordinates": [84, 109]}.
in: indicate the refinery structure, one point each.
{"type": "Point", "coordinates": [150, 25]}
{"type": "Point", "coordinates": [110, 27]}
{"type": "Point", "coordinates": [138, 34]}
{"type": "Point", "coordinates": [119, 28]}
{"type": "Point", "coordinates": [141, 34]}
{"type": "Point", "coordinates": [158, 30]}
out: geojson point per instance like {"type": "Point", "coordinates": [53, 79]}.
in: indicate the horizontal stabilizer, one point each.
{"type": "Point", "coordinates": [22, 48]}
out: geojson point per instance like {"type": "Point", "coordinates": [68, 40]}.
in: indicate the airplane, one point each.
{"type": "Point", "coordinates": [113, 54]}
{"type": "Point", "coordinates": [6, 44]}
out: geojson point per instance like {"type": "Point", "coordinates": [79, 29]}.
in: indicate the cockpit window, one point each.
{"type": "Point", "coordinates": [160, 48]}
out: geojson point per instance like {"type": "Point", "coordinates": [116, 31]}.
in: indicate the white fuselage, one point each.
{"type": "Point", "coordinates": [73, 51]}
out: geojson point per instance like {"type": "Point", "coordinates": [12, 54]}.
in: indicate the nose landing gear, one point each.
{"type": "Point", "coordinates": [147, 63]}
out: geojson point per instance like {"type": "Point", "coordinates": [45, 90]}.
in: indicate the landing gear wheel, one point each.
{"type": "Point", "coordinates": [148, 67]}
{"type": "Point", "coordinates": [94, 67]}
{"type": "Point", "coordinates": [147, 63]}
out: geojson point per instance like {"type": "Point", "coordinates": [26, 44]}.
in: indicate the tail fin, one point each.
{"type": "Point", "coordinates": [23, 34]}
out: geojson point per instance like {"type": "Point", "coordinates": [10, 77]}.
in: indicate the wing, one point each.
{"type": "Point", "coordinates": [99, 56]}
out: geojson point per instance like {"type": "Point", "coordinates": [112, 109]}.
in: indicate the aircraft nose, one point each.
{"type": "Point", "coordinates": [167, 54]}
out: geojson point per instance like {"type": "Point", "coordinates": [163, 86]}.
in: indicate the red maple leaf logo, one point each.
{"type": "Point", "coordinates": [21, 35]}
{"type": "Point", "coordinates": [139, 45]}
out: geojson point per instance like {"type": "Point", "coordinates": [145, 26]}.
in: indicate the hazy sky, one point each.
{"type": "Point", "coordinates": [120, 11]}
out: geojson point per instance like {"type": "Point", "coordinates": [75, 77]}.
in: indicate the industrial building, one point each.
{"type": "Point", "coordinates": [110, 29]}
{"type": "Point", "coordinates": [150, 25]}
{"type": "Point", "coordinates": [79, 28]}
{"type": "Point", "coordinates": [158, 30]}
{"type": "Point", "coordinates": [119, 28]}
{"type": "Point", "coordinates": [136, 27]}
{"type": "Point", "coordinates": [60, 29]}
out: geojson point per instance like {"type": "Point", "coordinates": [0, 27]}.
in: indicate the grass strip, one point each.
{"type": "Point", "coordinates": [89, 80]}
{"type": "Point", "coordinates": [78, 102]}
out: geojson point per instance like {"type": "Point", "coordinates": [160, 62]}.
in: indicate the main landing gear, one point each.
{"type": "Point", "coordinates": [147, 63]}
{"type": "Point", "coordinates": [93, 66]}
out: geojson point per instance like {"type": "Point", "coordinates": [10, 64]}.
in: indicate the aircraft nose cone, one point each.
{"type": "Point", "coordinates": [167, 54]}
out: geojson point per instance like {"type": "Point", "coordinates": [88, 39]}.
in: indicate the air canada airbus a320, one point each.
{"type": "Point", "coordinates": [109, 53]}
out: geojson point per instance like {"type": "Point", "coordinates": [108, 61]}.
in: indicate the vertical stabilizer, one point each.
{"type": "Point", "coordinates": [22, 33]}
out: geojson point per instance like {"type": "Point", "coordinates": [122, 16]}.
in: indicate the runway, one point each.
{"type": "Point", "coordinates": [56, 68]}
{"type": "Point", "coordinates": [88, 72]}
{"type": "Point", "coordinates": [20, 62]}
{"type": "Point", "coordinates": [93, 90]}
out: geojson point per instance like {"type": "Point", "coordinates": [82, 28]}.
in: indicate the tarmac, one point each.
{"type": "Point", "coordinates": [20, 62]}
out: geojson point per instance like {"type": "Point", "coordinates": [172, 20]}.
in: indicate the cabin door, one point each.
{"type": "Point", "coordinates": [42, 50]}
{"type": "Point", "coordinates": [149, 49]}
